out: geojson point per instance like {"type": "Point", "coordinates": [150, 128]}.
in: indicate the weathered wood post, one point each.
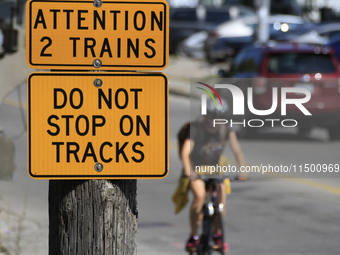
{"type": "Point", "coordinates": [93, 217]}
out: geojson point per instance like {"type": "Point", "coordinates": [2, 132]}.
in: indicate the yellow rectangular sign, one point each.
{"type": "Point", "coordinates": [97, 125]}
{"type": "Point", "coordinates": [104, 35]}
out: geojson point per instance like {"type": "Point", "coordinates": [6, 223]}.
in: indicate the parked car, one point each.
{"type": "Point", "coordinates": [334, 42]}
{"type": "Point", "coordinates": [290, 7]}
{"type": "Point", "coordinates": [230, 37]}
{"type": "Point", "coordinates": [186, 21]}
{"type": "Point", "coordinates": [193, 46]}
{"type": "Point", "coordinates": [293, 65]}
{"type": "Point", "coordinates": [2, 49]}
{"type": "Point", "coordinates": [317, 34]}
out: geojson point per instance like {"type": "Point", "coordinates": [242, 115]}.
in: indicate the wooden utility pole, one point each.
{"type": "Point", "coordinates": [95, 217]}
{"type": "Point", "coordinates": [87, 127]}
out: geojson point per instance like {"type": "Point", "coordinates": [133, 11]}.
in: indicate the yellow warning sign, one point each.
{"type": "Point", "coordinates": [97, 125]}
{"type": "Point", "coordinates": [104, 35]}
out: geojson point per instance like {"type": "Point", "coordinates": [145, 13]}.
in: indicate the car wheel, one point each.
{"type": "Point", "coordinates": [211, 60]}
{"type": "Point", "coordinates": [334, 133]}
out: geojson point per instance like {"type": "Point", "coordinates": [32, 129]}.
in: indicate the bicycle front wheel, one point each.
{"type": "Point", "coordinates": [206, 238]}
{"type": "Point", "coordinates": [220, 222]}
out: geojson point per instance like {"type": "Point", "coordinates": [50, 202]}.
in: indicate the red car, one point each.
{"type": "Point", "coordinates": [314, 68]}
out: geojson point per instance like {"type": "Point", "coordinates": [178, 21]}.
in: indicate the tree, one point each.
{"type": "Point", "coordinates": [93, 217]}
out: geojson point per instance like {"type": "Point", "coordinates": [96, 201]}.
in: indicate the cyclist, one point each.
{"type": "Point", "coordinates": [204, 146]}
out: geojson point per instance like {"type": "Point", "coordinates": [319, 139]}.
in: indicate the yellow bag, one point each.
{"type": "Point", "coordinates": [223, 161]}
{"type": "Point", "coordinates": [180, 197]}
{"type": "Point", "coordinates": [227, 186]}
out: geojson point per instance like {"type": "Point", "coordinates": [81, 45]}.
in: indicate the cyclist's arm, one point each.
{"type": "Point", "coordinates": [185, 156]}
{"type": "Point", "coordinates": [236, 148]}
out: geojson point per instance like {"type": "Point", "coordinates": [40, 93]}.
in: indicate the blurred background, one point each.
{"type": "Point", "coordinates": [297, 41]}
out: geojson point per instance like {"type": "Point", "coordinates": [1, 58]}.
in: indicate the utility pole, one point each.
{"type": "Point", "coordinates": [93, 134]}
{"type": "Point", "coordinates": [263, 9]}
{"type": "Point", "coordinates": [93, 217]}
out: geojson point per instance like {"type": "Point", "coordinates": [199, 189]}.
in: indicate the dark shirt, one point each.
{"type": "Point", "coordinates": [208, 146]}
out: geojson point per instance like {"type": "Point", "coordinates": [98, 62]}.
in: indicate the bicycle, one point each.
{"type": "Point", "coordinates": [211, 210]}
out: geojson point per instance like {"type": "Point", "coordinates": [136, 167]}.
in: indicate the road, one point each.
{"type": "Point", "coordinates": [265, 216]}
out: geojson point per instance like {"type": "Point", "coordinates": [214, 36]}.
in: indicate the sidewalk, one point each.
{"type": "Point", "coordinates": [180, 71]}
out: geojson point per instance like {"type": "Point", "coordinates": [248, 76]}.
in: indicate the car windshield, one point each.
{"type": "Point", "coordinates": [295, 63]}
{"type": "Point", "coordinates": [217, 17]}
{"type": "Point", "coordinates": [212, 16]}
{"type": "Point", "coordinates": [185, 15]}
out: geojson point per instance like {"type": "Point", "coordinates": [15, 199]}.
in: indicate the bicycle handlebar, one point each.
{"type": "Point", "coordinates": [219, 177]}
{"type": "Point", "coordinates": [234, 179]}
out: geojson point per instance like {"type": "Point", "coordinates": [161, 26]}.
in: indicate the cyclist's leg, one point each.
{"type": "Point", "coordinates": [196, 215]}
{"type": "Point", "coordinates": [221, 199]}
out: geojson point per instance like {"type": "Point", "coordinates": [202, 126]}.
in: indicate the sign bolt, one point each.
{"type": "Point", "coordinates": [98, 83]}
{"type": "Point", "coordinates": [98, 167]}
{"type": "Point", "coordinates": [97, 3]}
{"type": "Point", "coordinates": [97, 63]}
